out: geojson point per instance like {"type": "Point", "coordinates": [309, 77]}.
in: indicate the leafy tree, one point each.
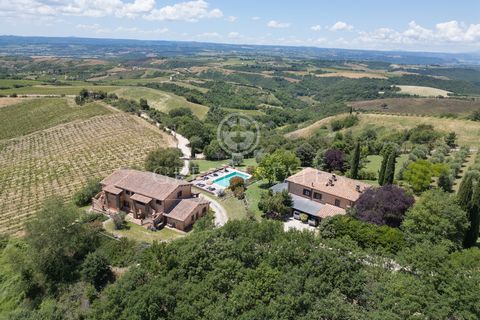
{"type": "Point", "coordinates": [164, 161]}
{"type": "Point", "coordinates": [423, 134]}
{"type": "Point", "coordinates": [419, 174]}
{"type": "Point", "coordinates": [207, 222]}
{"type": "Point", "coordinates": [333, 160]}
{"type": "Point", "coordinates": [305, 152]}
{"type": "Point", "coordinates": [84, 196]}
{"type": "Point", "coordinates": [383, 206]}
{"type": "Point", "coordinates": [180, 112]}
{"type": "Point", "coordinates": [118, 219]}
{"type": "Point", "coordinates": [214, 151]}
{"type": "Point", "coordinates": [436, 217]}
{"type": "Point", "coordinates": [96, 270]}
{"type": "Point", "coordinates": [196, 144]}
{"type": "Point", "coordinates": [276, 205]}
{"type": "Point", "coordinates": [58, 241]}
{"type": "Point", "coordinates": [277, 166]}
{"type": "Point", "coordinates": [366, 235]}
{"type": "Point", "coordinates": [355, 166]}
{"type": "Point", "coordinates": [473, 211]}
{"type": "Point", "coordinates": [193, 167]}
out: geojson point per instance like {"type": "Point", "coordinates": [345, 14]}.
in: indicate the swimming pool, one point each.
{"type": "Point", "coordinates": [225, 180]}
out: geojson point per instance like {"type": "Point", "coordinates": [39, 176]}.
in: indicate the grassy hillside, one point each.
{"type": "Point", "coordinates": [58, 161]}
{"type": "Point", "coordinates": [162, 101]}
{"type": "Point", "coordinates": [37, 114]}
{"type": "Point", "coordinates": [467, 131]}
{"type": "Point", "coordinates": [419, 106]}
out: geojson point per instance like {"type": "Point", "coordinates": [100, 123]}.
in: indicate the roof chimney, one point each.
{"type": "Point", "coordinates": [357, 188]}
{"type": "Point", "coordinates": [334, 176]}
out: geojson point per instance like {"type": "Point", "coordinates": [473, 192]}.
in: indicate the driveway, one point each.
{"type": "Point", "coordinates": [220, 214]}
{"type": "Point", "coordinates": [182, 144]}
{"type": "Point", "coordinates": [298, 225]}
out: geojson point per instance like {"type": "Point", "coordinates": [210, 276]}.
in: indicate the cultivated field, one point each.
{"type": "Point", "coordinates": [59, 160]}
{"type": "Point", "coordinates": [419, 106]}
{"type": "Point", "coordinates": [423, 91]}
{"type": "Point", "coordinates": [352, 75]}
{"type": "Point", "coordinates": [55, 90]}
{"type": "Point", "coordinates": [467, 131]}
{"type": "Point", "coordinates": [38, 114]}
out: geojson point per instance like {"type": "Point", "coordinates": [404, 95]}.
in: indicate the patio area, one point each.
{"type": "Point", "coordinates": [217, 180]}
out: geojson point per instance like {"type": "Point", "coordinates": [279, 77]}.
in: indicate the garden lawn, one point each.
{"type": "Point", "coordinates": [234, 208]}
{"type": "Point", "coordinates": [142, 234]}
{"type": "Point", "coordinates": [375, 161]}
{"type": "Point", "coordinates": [253, 195]}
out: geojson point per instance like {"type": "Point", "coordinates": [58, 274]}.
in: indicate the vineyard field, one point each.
{"type": "Point", "coordinates": [59, 160]}
{"type": "Point", "coordinates": [38, 114]}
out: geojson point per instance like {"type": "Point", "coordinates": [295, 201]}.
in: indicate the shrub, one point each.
{"type": "Point", "coordinates": [236, 182]}
{"type": "Point", "coordinates": [119, 220]}
{"type": "Point", "coordinates": [304, 217]}
{"type": "Point", "coordinates": [84, 196]}
{"type": "Point", "coordinates": [346, 122]}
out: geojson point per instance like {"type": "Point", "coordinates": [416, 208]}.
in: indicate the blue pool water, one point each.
{"type": "Point", "coordinates": [225, 180]}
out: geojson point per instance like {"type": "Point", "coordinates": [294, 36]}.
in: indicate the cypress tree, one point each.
{"type": "Point", "coordinates": [471, 235]}
{"type": "Point", "coordinates": [355, 161]}
{"type": "Point", "coordinates": [389, 175]}
{"type": "Point", "coordinates": [381, 173]}
{"type": "Point", "coordinates": [464, 194]}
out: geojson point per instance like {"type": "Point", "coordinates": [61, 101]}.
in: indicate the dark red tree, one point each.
{"type": "Point", "coordinates": [384, 205]}
{"type": "Point", "coordinates": [333, 160]}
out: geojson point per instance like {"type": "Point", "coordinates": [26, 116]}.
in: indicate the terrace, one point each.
{"type": "Point", "coordinates": [216, 181]}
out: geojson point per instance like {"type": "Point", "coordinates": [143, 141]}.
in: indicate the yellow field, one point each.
{"type": "Point", "coordinates": [423, 91]}
{"type": "Point", "coordinates": [468, 132]}
{"type": "Point", "coordinates": [351, 74]}
{"type": "Point", "coordinates": [9, 101]}
{"type": "Point", "coordinates": [59, 160]}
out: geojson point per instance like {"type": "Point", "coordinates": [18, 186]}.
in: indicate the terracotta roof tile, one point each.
{"type": "Point", "coordinates": [184, 208]}
{"type": "Point", "coordinates": [147, 184]}
{"type": "Point", "coordinates": [328, 211]}
{"type": "Point", "coordinates": [343, 187]}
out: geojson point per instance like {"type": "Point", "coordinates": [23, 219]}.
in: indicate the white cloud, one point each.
{"type": "Point", "coordinates": [190, 11]}
{"type": "Point", "coordinates": [209, 35]}
{"type": "Point", "coordinates": [444, 33]}
{"type": "Point", "coordinates": [316, 27]}
{"type": "Point", "coordinates": [120, 30]}
{"type": "Point", "coordinates": [182, 11]}
{"type": "Point", "coordinates": [341, 26]}
{"type": "Point", "coordinates": [255, 18]}
{"type": "Point", "coordinates": [233, 35]}
{"type": "Point", "coordinates": [231, 18]}
{"type": "Point", "coordinates": [277, 24]}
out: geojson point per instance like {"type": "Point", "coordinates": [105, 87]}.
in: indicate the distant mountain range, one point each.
{"type": "Point", "coordinates": [124, 48]}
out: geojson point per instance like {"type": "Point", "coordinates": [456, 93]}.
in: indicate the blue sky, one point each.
{"type": "Point", "coordinates": [421, 25]}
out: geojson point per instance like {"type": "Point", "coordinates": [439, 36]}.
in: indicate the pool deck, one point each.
{"type": "Point", "coordinates": [206, 181]}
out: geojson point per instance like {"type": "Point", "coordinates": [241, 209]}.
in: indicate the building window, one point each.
{"type": "Point", "coordinates": [337, 202]}
{"type": "Point", "coordinates": [179, 194]}
{"type": "Point", "coordinates": [204, 210]}
{"type": "Point", "coordinates": [159, 202]}
{"type": "Point", "coordinates": [307, 192]}
{"type": "Point", "coordinates": [317, 195]}
{"type": "Point", "coordinates": [129, 193]}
